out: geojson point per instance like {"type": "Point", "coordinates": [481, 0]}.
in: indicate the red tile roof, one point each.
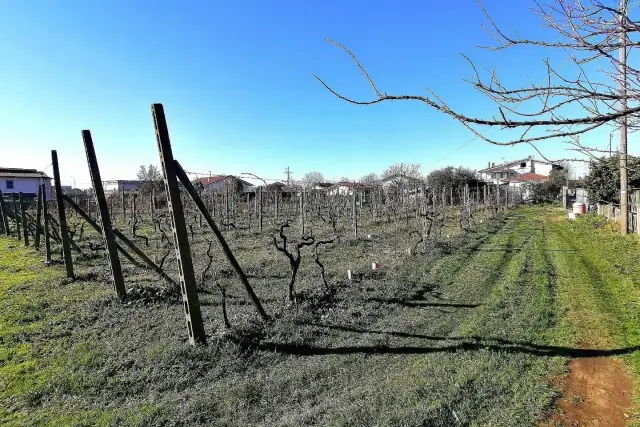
{"type": "Point", "coordinates": [529, 177]}
{"type": "Point", "coordinates": [211, 179]}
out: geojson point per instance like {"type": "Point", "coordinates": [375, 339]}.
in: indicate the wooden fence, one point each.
{"type": "Point", "coordinates": [612, 212]}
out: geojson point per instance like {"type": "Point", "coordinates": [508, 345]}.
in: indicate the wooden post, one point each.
{"type": "Point", "coordinates": [2, 216]}
{"type": "Point", "coordinates": [188, 286]}
{"type": "Point", "coordinates": [3, 213]}
{"type": "Point", "coordinates": [277, 202]}
{"type": "Point", "coordinates": [36, 243]}
{"type": "Point", "coordinates": [62, 217]}
{"type": "Point", "coordinates": [153, 201]}
{"type": "Point", "coordinates": [45, 216]}
{"type": "Point", "coordinates": [124, 206]}
{"type": "Point", "coordinates": [226, 206]}
{"type": "Point", "coordinates": [637, 211]}
{"type": "Point", "coordinates": [355, 214]}
{"type": "Point", "coordinates": [107, 229]}
{"type": "Point", "coordinates": [23, 217]}
{"type": "Point", "coordinates": [260, 210]}
{"type": "Point", "coordinates": [302, 224]}
{"type": "Point", "coordinates": [16, 216]}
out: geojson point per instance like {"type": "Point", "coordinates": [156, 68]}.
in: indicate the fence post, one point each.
{"type": "Point", "coordinates": [62, 216]}
{"type": "Point", "coordinates": [107, 228]}
{"type": "Point", "coordinates": [16, 219]}
{"type": "Point", "coordinates": [23, 217]}
{"type": "Point", "coordinates": [3, 214]}
{"type": "Point", "coordinates": [637, 192]}
{"type": "Point", "coordinates": [45, 216]}
{"type": "Point", "coordinates": [260, 209]}
{"type": "Point", "coordinates": [195, 325]}
{"type": "Point", "coordinates": [36, 243]}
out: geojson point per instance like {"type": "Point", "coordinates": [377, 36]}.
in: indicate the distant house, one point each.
{"type": "Point", "coordinates": [218, 183]}
{"type": "Point", "coordinates": [520, 182]}
{"type": "Point", "coordinates": [122, 184]}
{"type": "Point", "coordinates": [282, 188]}
{"type": "Point", "coordinates": [347, 188]}
{"type": "Point", "coordinates": [397, 182]}
{"type": "Point", "coordinates": [25, 181]}
{"type": "Point", "coordinates": [321, 186]}
{"type": "Point", "coordinates": [506, 172]}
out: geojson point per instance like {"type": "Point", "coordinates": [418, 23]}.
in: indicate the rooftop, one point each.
{"type": "Point", "coordinates": [22, 173]}
{"type": "Point", "coordinates": [529, 177]}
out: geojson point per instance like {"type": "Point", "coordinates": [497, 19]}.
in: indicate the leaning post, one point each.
{"type": "Point", "coordinates": [62, 216]}
{"type": "Point", "coordinates": [103, 210]}
{"type": "Point", "coordinates": [195, 325]}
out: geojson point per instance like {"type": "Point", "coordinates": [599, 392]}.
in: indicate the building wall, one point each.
{"type": "Point", "coordinates": [542, 169]}
{"type": "Point", "coordinates": [220, 185]}
{"type": "Point", "coordinates": [25, 185]}
{"type": "Point", "coordinates": [128, 186]}
{"type": "Point", "coordinates": [528, 166]}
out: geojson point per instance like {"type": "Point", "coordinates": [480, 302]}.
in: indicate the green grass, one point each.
{"type": "Point", "coordinates": [468, 332]}
{"type": "Point", "coordinates": [599, 287]}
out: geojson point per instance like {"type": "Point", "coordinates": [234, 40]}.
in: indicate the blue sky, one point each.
{"type": "Point", "coordinates": [236, 80]}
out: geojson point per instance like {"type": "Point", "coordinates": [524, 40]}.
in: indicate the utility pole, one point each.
{"type": "Point", "coordinates": [624, 197]}
{"type": "Point", "coordinates": [610, 139]}
{"type": "Point", "coordinates": [288, 172]}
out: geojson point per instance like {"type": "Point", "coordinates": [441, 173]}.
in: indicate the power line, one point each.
{"type": "Point", "coordinates": [460, 147]}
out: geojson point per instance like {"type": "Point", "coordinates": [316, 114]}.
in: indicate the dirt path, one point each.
{"type": "Point", "coordinates": [596, 391]}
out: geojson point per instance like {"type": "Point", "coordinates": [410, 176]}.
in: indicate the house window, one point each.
{"type": "Point", "coordinates": [9, 184]}
{"type": "Point", "coordinates": [523, 165]}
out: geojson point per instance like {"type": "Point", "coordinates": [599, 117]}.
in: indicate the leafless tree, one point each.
{"type": "Point", "coordinates": [598, 88]}
{"type": "Point", "coordinates": [293, 256]}
{"type": "Point", "coordinates": [319, 263]}
{"type": "Point", "coordinates": [311, 178]}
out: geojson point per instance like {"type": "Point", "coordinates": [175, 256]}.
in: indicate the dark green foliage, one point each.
{"type": "Point", "coordinates": [451, 177]}
{"type": "Point", "coordinates": [550, 190]}
{"type": "Point", "coordinates": [603, 180]}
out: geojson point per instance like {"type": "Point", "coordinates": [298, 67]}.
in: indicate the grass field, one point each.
{"type": "Point", "coordinates": [475, 331]}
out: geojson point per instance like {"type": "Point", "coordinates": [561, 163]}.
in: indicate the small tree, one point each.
{"type": "Point", "coordinates": [411, 170]}
{"type": "Point", "coordinates": [151, 178]}
{"type": "Point", "coordinates": [311, 178]}
{"type": "Point", "coordinates": [370, 178]}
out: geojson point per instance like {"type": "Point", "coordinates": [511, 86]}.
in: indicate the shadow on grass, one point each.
{"type": "Point", "coordinates": [546, 351]}
{"type": "Point", "coordinates": [472, 343]}
{"type": "Point", "coordinates": [410, 303]}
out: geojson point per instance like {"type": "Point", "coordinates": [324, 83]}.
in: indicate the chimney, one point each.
{"type": "Point", "coordinates": [489, 165]}
{"type": "Point", "coordinates": [493, 165]}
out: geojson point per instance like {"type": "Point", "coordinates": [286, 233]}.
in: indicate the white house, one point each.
{"type": "Point", "coordinates": [506, 172]}
{"type": "Point", "coordinates": [347, 188]}
{"type": "Point", "coordinates": [121, 184]}
{"type": "Point", "coordinates": [25, 181]}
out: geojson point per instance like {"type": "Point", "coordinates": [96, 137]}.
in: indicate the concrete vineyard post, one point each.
{"type": "Point", "coordinates": [107, 230]}
{"type": "Point", "coordinates": [188, 286]}
{"type": "Point", "coordinates": [62, 217]}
